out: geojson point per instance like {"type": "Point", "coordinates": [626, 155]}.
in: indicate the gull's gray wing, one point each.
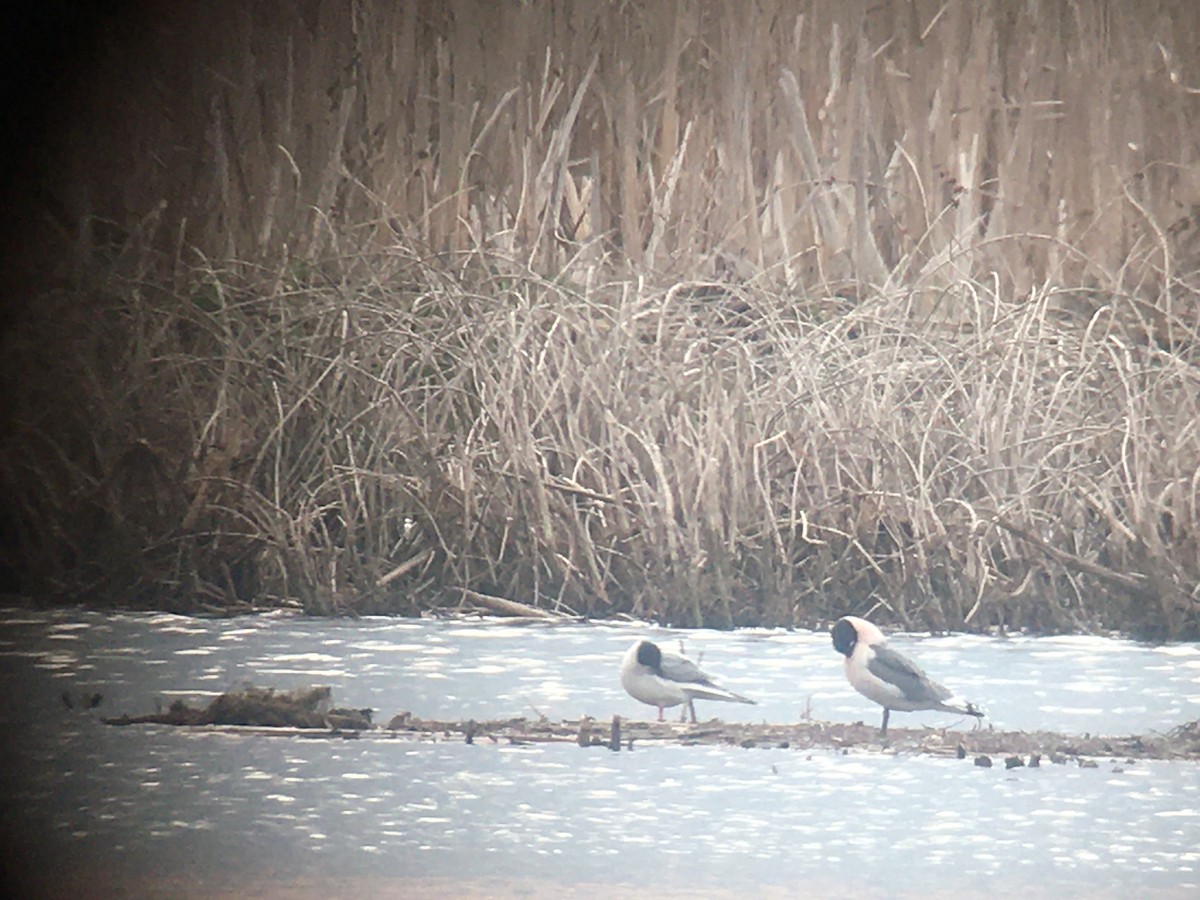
{"type": "Point", "coordinates": [897, 669]}
{"type": "Point", "coordinates": [682, 669]}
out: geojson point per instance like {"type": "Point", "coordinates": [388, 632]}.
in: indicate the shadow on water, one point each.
{"type": "Point", "coordinates": [157, 810]}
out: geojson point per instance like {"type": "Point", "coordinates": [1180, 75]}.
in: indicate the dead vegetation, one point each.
{"type": "Point", "coordinates": [653, 309]}
{"type": "Point", "coordinates": [304, 708]}
{"type": "Point", "coordinates": [307, 711]}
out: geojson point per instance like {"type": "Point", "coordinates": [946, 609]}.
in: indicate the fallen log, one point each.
{"type": "Point", "coordinates": [506, 607]}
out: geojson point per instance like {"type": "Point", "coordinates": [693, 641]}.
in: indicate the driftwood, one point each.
{"type": "Point", "coordinates": [506, 607]}
{"type": "Point", "coordinates": [309, 712]}
{"type": "Point", "coordinates": [303, 708]}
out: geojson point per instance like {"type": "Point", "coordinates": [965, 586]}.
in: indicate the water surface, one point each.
{"type": "Point", "coordinates": [207, 812]}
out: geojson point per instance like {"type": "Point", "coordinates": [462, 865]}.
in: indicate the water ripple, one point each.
{"type": "Point", "coordinates": [675, 817]}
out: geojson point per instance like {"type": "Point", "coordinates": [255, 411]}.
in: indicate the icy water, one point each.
{"type": "Point", "coordinates": [149, 810]}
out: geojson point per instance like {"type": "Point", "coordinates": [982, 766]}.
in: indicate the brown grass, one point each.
{"type": "Point", "coordinates": [695, 454]}
{"type": "Point", "coordinates": [661, 308]}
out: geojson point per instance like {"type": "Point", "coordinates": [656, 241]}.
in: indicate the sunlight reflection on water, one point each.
{"type": "Point", "coordinates": [670, 817]}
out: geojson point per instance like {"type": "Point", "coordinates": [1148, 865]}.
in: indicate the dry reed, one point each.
{"type": "Point", "coordinates": [700, 313]}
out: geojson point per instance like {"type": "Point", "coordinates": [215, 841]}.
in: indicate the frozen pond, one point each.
{"type": "Point", "coordinates": [207, 813]}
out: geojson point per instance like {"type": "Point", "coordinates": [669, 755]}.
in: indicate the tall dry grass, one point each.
{"type": "Point", "coordinates": [714, 313]}
{"type": "Point", "coordinates": [402, 439]}
{"type": "Point", "coordinates": [847, 144]}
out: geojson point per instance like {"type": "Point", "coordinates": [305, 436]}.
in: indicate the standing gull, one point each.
{"type": "Point", "coordinates": [887, 676]}
{"type": "Point", "coordinates": [664, 679]}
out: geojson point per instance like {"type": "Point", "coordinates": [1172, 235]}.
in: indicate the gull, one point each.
{"type": "Point", "coordinates": [661, 679]}
{"type": "Point", "coordinates": [887, 676]}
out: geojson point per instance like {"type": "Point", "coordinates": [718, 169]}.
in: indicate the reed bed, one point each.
{"type": "Point", "coordinates": [695, 454]}
{"type": "Point", "coordinates": [714, 314]}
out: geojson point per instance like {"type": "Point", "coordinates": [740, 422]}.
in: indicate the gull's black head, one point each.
{"type": "Point", "coordinates": [845, 636]}
{"type": "Point", "coordinates": [649, 655]}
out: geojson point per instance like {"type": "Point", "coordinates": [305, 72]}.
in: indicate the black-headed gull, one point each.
{"type": "Point", "coordinates": [661, 679]}
{"type": "Point", "coordinates": [887, 676]}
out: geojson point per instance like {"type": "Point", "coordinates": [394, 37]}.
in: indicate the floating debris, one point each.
{"type": "Point", "coordinates": [309, 711]}
{"type": "Point", "coordinates": [84, 701]}
{"type": "Point", "coordinates": [302, 708]}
